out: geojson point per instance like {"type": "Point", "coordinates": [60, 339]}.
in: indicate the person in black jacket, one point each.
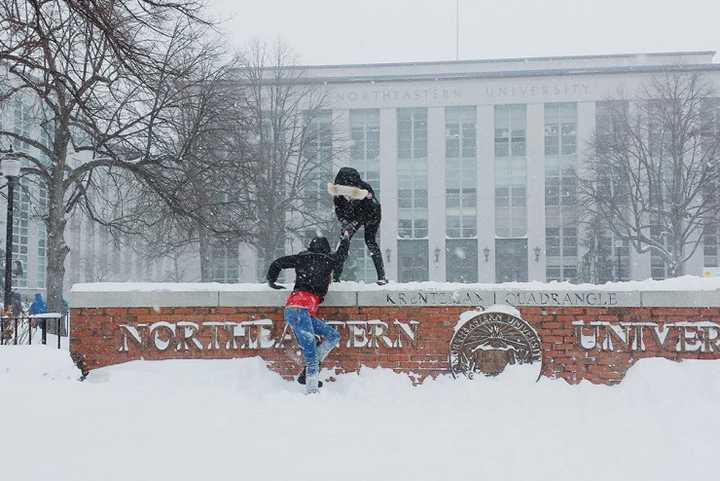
{"type": "Point", "coordinates": [354, 214]}
{"type": "Point", "coordinates": [313, 273]}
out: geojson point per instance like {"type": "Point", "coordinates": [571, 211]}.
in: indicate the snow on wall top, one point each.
{"type": "Point", "coordinates": [686, 291]}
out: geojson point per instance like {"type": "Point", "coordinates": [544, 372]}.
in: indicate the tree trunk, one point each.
{"type": "Point", "coordinates": [204, 244]}
{"type": "Point", "coordinates": [57, 250]}
{"type": "Point", "coordinates": [678, 265]}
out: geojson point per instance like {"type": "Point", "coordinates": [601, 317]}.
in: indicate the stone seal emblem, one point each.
{"type": "Point", "coordinates": [490, 341]}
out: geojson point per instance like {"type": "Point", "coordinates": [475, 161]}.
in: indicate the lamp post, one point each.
{"type": "Point", "coordinates": [11, 170]}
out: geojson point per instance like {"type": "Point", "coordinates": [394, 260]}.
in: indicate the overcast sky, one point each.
{"type": "Point", "coordinates": [366, 31]}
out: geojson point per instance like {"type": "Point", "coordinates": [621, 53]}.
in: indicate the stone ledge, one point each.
{"type": "Point", "coordinates": [214, 295]}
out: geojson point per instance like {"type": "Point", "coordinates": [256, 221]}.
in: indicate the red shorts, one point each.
{"type": "Point", "coordinates": [305, 299]}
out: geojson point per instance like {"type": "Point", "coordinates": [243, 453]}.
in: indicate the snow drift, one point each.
{"type": "Point", "coordinates": [235, 419]}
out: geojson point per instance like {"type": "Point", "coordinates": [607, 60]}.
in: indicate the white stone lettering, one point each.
{"type": "Point", "coordinates": [188, 331]}
{"type": "Point", "coordinates": [156, 330]}
{"type": "Point", "coordinates": [188, 336]}
{"type": "Point", "coordinates": [134, 333]}
{"type": "Point", "coordinates": [683, 336]}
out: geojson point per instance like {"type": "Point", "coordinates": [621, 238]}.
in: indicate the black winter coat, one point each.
{"type": "Point", "coordinates": [364, 211]}
{"type": "Point", "coordinates": [313, 267]}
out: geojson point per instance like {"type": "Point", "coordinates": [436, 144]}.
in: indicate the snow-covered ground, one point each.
{"type": "Point", "coordinates": [235, 419]}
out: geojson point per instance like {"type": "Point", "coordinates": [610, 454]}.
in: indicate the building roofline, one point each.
{"type": "Point", "coordinates": [506, 60]}
{"type": "Point", "coordinates": [512, 73]}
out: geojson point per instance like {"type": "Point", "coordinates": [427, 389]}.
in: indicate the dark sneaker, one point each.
{"type": "Point", "coordinates": [381, 282]}
{"type": "Point", "coordinates": [301, 379]}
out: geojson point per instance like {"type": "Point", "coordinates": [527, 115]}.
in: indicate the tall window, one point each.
{"type": "Point", "coordinates": [21, 218]}
{"type": "Point", "coordinates": [23, 123]}
{"type": "Point", "coordinates": [510, 193]}
{"type": "Point", "coordinates": [412, 194]}
{"type": "Point", "coordinates": [561, 215]}
{"type": "Point", "coordinates": [461, 194]}
{"type": "Point", "coordinates": [318, 155]}
{"type": "Point", "coordinates": [365, 157]}
{"type": "Point", "coordinates": [658, 267]}
{"type": "Point", "coordinates": [225, 260]}
{"type": "Point", "coordinates": [21, 221]}
{"type": "Point", "coordinates": [711, 229]}
{"type": "Point", "coordinates": [711, 244]}
{"type": "Point", "coordinates": [42, 235]}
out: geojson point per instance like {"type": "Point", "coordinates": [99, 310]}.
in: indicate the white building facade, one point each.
{"type": "Point", "coordinates": [474, 163]}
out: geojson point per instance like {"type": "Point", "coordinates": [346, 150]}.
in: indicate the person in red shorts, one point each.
{"type": "Point", "coordinates": [313, 273]}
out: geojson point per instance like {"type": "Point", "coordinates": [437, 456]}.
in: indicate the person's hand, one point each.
{"type": "Point", "coordinates": [275, 286]}
{"type": "Point", "coordinates": [369, 195]}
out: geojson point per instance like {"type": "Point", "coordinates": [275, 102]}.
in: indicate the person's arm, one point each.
{"type": "Point", "coordinates": [343, 208]}
{"type": "Point", "coordinates": [285, 262]}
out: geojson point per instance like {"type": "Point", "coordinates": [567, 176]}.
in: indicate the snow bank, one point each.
{"type": "Point", "coordinates": [235, 419]}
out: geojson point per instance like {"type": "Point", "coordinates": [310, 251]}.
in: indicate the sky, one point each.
{"type": "Point", "coordinates": [371, 31]}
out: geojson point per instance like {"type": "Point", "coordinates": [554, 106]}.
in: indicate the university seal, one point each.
{"type": "Point", "coordinates": [490, 341]}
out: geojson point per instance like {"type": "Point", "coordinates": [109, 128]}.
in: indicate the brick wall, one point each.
{"type": "Point", "coordinates": [598, 344]}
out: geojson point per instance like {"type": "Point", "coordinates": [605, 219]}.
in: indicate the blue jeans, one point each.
{"type": "Point", "coordinates": [306, 327]}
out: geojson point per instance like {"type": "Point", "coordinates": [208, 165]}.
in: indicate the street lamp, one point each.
{"type": "Point", "coordinates": [10, 168]}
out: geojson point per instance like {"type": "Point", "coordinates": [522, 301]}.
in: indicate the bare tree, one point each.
{"type": "Point", "coordinates": [208, 187]}
{"type": "Point", "coordinates": [96, 116]}
{"type": "Point", "coordinates": [260, 152]}
{"type": "Point", "coordinates": [653, 177]}
{"type": "Point", "coordinates": [294, 142]}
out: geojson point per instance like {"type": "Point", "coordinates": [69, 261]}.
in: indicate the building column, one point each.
{"type": "Point", "coordinates": [436, 193]}
{"type": "Point", "coordinates": [536, 191]}
{"type": "Point", "coordinates": [388, 186]}
{"type": "Point", "coordinates": [486, 192]}
{"type": "Point", "coordinates": [341, 139]}
{"type": "Point", "coordinates": [585, 132]}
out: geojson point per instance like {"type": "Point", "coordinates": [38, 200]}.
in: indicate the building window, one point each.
{"type": "Point", "coordinates": [318, 154]}
{"type": "Point", "coordinates": [561, 249]}
{"type": "Point", "coordinates": [561, 214]}
{"type": "Point", "coordinates": [510, 172]}
{"type": "Point", "coordinates": [609, 116]}
{"type": "Point", "coordinates": [461, 193]}
{"type": "Point", "coordinates": [560, 129]}
{"type": "Point", "coordinates": [511, 260]}
{"type": "Point", "coordinates": [412, 191]}
{"type": "Point", "coordinates": [365, 157]}
{"type": "Point", "coordinates": [413, 260]}
{"type": "Point", "coordinates": [607, 258]}
{"type": "Point", "coordinates": [225, 260]}
{"type": "Point", "coordinates": [42, 235]}
{"type": "Point", "coordinates": [89, 257]}
{"type": "Point", "coordinates": [21, 223]}
{"type": "Point", "coordinates": [711, 190]}
{"type": "Point", "coordinates": [23, 123]}
{"type": "Point", "coordinates": [710, 244]}
{"type": "Point", "coordinates": [510, 130]}
{"type": "Point", "coordinates": [461, 258]}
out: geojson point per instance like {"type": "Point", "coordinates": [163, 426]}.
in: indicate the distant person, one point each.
{"type": "Point", "coordinates": [357, 206]}
{"type": "Point", "coordinates": [16, 304]}
{"type": "Point", "coordinates": [313, 272]}
{"type": "Point", "coordinates": [38, 305]}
